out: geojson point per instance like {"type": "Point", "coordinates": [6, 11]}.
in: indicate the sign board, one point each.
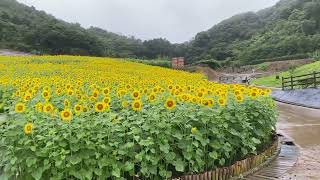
{"type": "Point", "coordinates": [177, 62]}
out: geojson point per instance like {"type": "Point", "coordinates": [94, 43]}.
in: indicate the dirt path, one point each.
{"type": "Point", "coordinates": [303, 126]}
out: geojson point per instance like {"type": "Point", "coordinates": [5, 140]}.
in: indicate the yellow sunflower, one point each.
{"type": "Point", "coordinates": [46, 88]}
{"type": "Point", "coordinates": [121, 93]}
{"type": "Point", "coordinates": [39, 107]}
{"type": "Point", "coordinates": [68, 86]}
{"type": "Point", "coordinates": [222, 101]}
{"type": "Point", "coordinates": [253, 94]}
{"type": "Point", "coordinates": [95, 93]}
{"type": "Point", "coordinates": [85, 109]}
{"type": "Point", "coordinates": [92, 99]}
{"type": "Point", "coordinates": [27, 97]}
{"type": "Point", "coordinates": [136, 105]}
{"type": "Point", "coordinates": [100, 106]}
{"type": "Point", "coordinates": [17, 93]}
{"type": "Point", "coordinates": [194, 100]}
{"type": "Point", "coordinates": [200, 94]}
{"type": "Point", "coordinates": [107, 100]}
{"type": "Point", "coordinates": [263, 93]}
{"type": "Point", "coordinates": [66, 115]}
{"type": "Point", "coordinates": [46, 94]}
{"type": "Point", "coordinates": [207, 102]}
{"type": "Point", "coordinates": [20, 107]}
{"type": "Point", "coordinates": [135, 94]}
{"type": "Point", "coordinates": [106, 91]}
{"type": "Point", "coordinates": [70, 92]}
{"type": "Point", "coordinates": [78, 108]}
{"type": "Point", "coordinates": [124, 104]}
{"type": "Point", "coordinates": [107, 107]}
{"type": "Point", "coordinates": [128, 86]}
{"type": "Point", "coordinates": [47, 108]}
{"type": "Point", "coordinates": [28, 128]}
{"type": "Point", "coordinates": [58, 91]}
{"type": "Point", "coordinates": [184, 97]}
{"type": "Point", "coordinates": [194, 130]}
{"type": "Point", "coordinates": [170, 104]}
{"type": "Point", "coordinates": [237, 93]}
{"type": "Point", "coordinates": [239, 98]}
{"type": "Point", "coordinates": [210, 102]}
{"type": "Point", "coordinates": [66, 103]}
{"type": "Point", "coordinates": [145, 91]}
{"type": "Point", "coordinates": [152, 97]}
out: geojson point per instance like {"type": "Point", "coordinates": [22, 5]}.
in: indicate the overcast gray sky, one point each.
{"type": "Point", "coordinates": [175, 20]}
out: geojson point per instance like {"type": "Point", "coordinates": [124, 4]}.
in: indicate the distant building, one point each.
{"type": "Point", "coordinates": [177, 62]}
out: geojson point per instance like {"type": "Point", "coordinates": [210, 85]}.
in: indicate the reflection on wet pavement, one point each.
{"type": "Point", "coordinates": [303, 126]}
{"type": "Point", "coordinates": [299, 123]}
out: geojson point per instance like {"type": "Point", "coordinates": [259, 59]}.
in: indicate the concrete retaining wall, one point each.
{"type": "Point", "coordinates": [302, 97]}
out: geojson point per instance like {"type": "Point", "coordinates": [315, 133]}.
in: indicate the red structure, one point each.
{"type": "Point", "coordinates": [177, 62]}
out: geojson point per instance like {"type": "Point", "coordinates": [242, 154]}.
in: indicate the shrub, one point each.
{"type": "Point", "coordinates": [214, 64]}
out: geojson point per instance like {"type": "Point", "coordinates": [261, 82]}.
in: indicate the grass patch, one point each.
{"type": "Point", "coordinates": [155, 62]}
{"type": "Point", "coordinates": [271, 81]}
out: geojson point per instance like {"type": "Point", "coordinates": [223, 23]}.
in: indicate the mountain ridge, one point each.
{"type": "Point", "coordinates": [245, 37]}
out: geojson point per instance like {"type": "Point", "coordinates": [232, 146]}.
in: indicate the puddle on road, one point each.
{"type": "Point", "coordinates": [301, 124]}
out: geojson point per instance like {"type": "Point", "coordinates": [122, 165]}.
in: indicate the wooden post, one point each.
{"type": "Point", "coordinates": [315, 79]}
{"type": "Point", "coordinates": [291, 82]}
{"type": "Point", "coordinates": [282, 83]}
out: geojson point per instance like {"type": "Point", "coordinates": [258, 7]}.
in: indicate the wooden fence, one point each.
{"type": "Point", "coordinates": [239, 168]}
{"type": "Point", "coordinates": [303, 81]}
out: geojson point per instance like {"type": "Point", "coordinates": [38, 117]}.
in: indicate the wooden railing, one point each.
{"type": "Point", "coordinates": [303, 81]}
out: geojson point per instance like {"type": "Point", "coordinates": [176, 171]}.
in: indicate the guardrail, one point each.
{"type": "Point", "coordinates": [303, 81]}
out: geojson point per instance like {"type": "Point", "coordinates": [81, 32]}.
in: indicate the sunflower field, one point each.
{"type": "Point", "coordinates": [72, 117]}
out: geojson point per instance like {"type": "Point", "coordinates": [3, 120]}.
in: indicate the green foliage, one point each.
{"type": "Point", "coordinates": [316, 55]}
{"type": "Point", "coordinates": [262, 67]}
{"type": "Point", "coordinates": [271, 81]}
{"type": "Point", "coordinates": [214, 64]}
{"type": "Point", "coordinates": [282, 58]}
{"type": "Point", "coordinates": [156, 62]}
{"type": "Point", "coordinates": [153, 144]}
{"type": "Point", "coordinates": [26, 29]}
{"type": "Point", "coordinates": [291, 70]}
{"type": "Point", "coordinates": [290, 29]}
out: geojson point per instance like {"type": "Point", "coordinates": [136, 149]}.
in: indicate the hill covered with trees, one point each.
{"type": "Point", "coordinates": [27, 29]}
{"type": "Point", "coordinates": [290, 29]}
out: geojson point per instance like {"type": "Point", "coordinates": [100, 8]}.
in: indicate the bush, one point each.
{"type": "Point", "coordinates": [214, 64]}
{"type": "Point", "coordinates": [156, 62]}
{"type": "Point", "coordinates": [316, 55]}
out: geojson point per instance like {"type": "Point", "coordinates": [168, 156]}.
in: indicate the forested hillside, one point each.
{"type": "Point", "coordinates": [23, 28]}
{"type": "Point", "coordinates": [26, 29]}
{"type": "Point", "coordinates": [290, 29]}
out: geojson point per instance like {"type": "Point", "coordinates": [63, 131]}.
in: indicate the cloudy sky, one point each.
{"type": "Point", "coordinates": [175, 20]}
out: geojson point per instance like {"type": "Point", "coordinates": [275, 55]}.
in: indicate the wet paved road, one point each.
{"type": "Point", "coordinates": [303, 126]}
